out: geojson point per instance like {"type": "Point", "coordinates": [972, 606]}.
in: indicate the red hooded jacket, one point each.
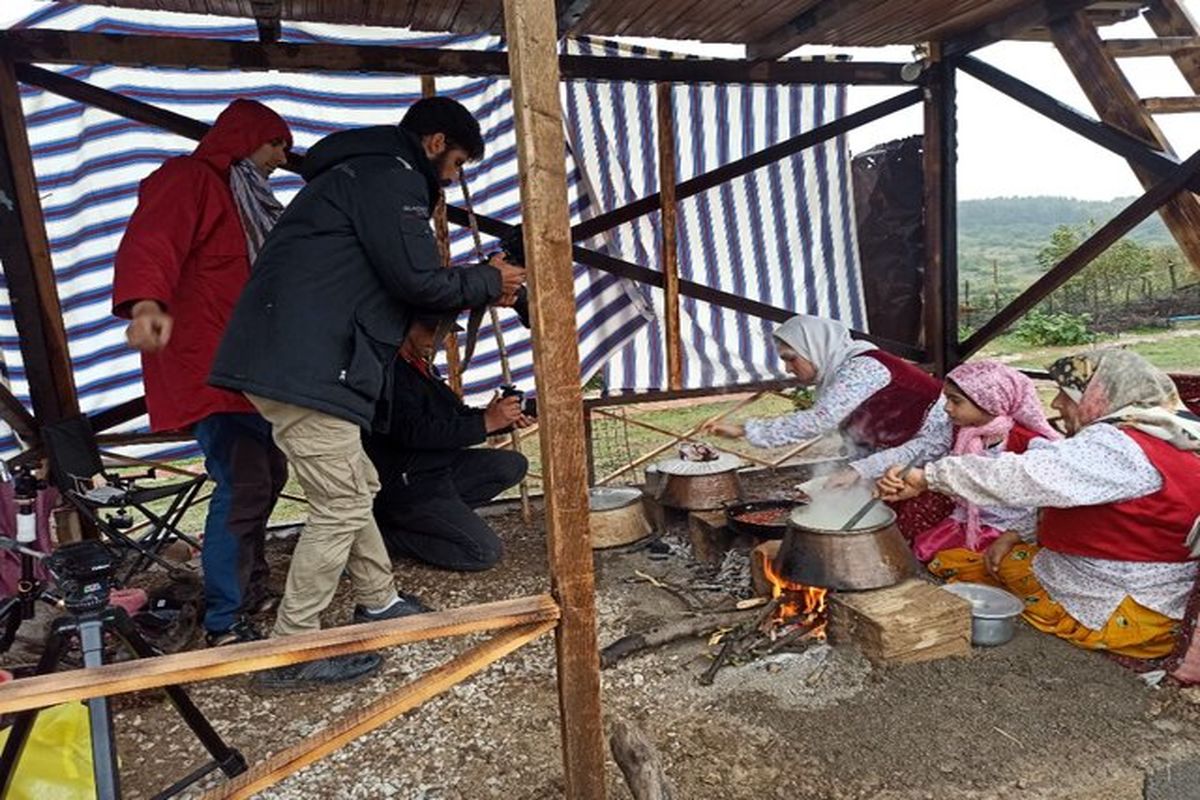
{"type": "Point", "coordinates": [185, 247]}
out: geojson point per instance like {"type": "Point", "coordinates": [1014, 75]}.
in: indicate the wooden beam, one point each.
{"type": "Point", "coordinates": [28, 269]}
{"type": "Point", "coordinates": [659, 395]}
{"type": "Point", "coordinates": [1116, 102]}
{"type": "Point", "coordinates": [238, 659]}
{"type": "Point", "coordinates": [118, 415]}
{"type": "Point", "coordinates": [268, 18]}
{"type": "Point", "coordinates": [1172, 105]}
{"type": "Point", "coordinates": [1142, 48]}
{"type": "Point", "coordinates": [570, 12]}
{"type": "Point", "coordinates": [1169, 19]}
{"type": "Point", "coordinates": [47, 46]}
{"type": "Point", "coordinates": [1111, 232]}
{"type": "Point", "coordinates": [531, 30]}
{"type": "Point", "coordinates": [670, 249]}
{"type": "Point", "coordinates": [1108, 137]}
{"type": "Point", "coordinates": [743, 166]}
{"type": "Point", "coordinates": [340, 733]}
{"type": "Point", "coordinates": [1037, 14]}
{"type": "Point", "coordinates": [938, 155]}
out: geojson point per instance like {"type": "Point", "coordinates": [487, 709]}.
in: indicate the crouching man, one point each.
{"type": "Point", "coordinates": [430, 473]}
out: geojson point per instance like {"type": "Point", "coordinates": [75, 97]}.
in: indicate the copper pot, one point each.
{"type": "Point", "coordinates": [695, 492]}
{"type": "Point", "coordinates": [869, 557]}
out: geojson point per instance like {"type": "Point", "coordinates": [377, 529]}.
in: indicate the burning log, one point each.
{"type": "Point", "coordinates": [639, 763]}
{"type": "Point", "coordinates": [656, 637]}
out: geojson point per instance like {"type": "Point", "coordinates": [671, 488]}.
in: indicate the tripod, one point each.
{"type": "Point", "coordinates": [20, 607]}
{"type": "Point", "coordinates": [89, 617]}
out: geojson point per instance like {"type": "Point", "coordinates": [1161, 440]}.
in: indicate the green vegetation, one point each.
{"type": "Point", "coordinates": [1061, 328]}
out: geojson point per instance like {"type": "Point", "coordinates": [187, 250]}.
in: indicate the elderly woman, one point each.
{"type": "Point", "coordinates": [885, 407]}
{"type": "Point", "coordinates": [1116, 557]}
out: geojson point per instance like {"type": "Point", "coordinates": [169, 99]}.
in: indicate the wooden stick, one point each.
{"type": "Point", "coordinates": [382, 711]}
{"type": "Point", "coordinates": [498, 331]}
{"type": "Point", "coordinates": [670, 252]}
{"type": "Point", "coordinates": [727, 648]}
{"type": "Point", "coordinates": [640, 763]}
{"type": "Point", "coordinates": [237, 659]}
{"type": "Point", "coordinates": [673, 631]}
{"type": "Point", "coordinates": [441, 230]}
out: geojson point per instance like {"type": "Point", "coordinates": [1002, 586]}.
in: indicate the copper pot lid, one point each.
{"type": "Point", "coordinates": [724, 462]}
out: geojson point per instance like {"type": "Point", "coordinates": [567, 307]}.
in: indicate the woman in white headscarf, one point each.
{"type": "Point", "coordinates": [874, 398]}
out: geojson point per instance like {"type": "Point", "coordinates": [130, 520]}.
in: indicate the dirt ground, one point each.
{"type": "Point", "coordinates": [1034, 718]}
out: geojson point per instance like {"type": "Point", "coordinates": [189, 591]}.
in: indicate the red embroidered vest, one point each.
{"type": "Point", "coordinates": [894, 414]}
{"type": "Point", "coordinates": [1150, 528]}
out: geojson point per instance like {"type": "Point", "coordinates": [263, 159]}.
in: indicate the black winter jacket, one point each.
{"type": "Point", "coordinates": [429, 427]}
{"type": "Point", "coordinates": [331, 295]}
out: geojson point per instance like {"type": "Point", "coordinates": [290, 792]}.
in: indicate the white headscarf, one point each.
{"type": "Point", "coordinates": [824, 342]}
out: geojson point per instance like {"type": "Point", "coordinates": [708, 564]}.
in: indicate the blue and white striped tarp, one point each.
{"type": "Point", "coordinates": [89, 162]}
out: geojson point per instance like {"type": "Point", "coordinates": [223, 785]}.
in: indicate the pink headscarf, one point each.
{"type": "Point", "coordinates": [1011, 399]}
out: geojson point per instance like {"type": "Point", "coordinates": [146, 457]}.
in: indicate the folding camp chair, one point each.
{"type": "Point", "coordinates": [90, 486]}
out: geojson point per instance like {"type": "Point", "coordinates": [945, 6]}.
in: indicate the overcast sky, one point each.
{"type": "Point", "coordinates": [1004, 149]}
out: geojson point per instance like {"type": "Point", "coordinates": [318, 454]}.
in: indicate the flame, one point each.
{"type": "Point", "coordinates": [798, 603]}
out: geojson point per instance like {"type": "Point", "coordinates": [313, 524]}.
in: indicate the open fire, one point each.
{"type": "Point", "coordinates": [798, 609]}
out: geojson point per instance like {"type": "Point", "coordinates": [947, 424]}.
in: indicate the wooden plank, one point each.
{"type": "Point", "coordinates": [670, 230]}
{"type": "Point", "coordinates": [267, 16]}
{"type": "Point", "coordinates": [743, 166]}
{"type": "Point", "coordinates": [48, 46]}
{"type": "Point", "coordinates": [1168, 18]}
{"type": "Point", "coordinates": [1108, 137]}
{"type": "Point", "coordinates": [903, 624]}
{"type": "Point", "coordinates": [14, 413]}
{"type": "Point", "coordinates": [531, 29]}
{"type": "Point", "coordinates": [118, 415]}
{"type": "Point", "coordinates": [1142, 48]}
{"type": "Point", "coordinates": [238, 659]}
{"type": "Point", "coordinates": [570, 12]}
{"type": "Point", "coordinates": [1172, 105]}
{"type": "Point", "coordinates": [1035, 15]}
{"type": "Point", "coordinates": [1124, 222]}
{"type": "Point", "coordinates": [1116, 102]}
{"type": "Point", "coordinates": [337, 735]}
{"type": "Point", "coordinates": [28, 269]}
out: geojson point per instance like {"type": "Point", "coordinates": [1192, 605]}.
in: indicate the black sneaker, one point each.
{"type": "Point", "coordinates": [405, 605]}
{"type": "Point", "coordinates": [241, 631]}
{"type": "Point", "coordinates": [261, 602]}
{"type": "Point", "coordinates": [324, 672]}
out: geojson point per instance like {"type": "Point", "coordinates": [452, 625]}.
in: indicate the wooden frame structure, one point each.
{"type": "Point", "coordinates": [532, 28]}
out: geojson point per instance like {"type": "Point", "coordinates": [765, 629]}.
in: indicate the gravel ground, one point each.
{"type": "Point", "coordinates": [1035, 718]}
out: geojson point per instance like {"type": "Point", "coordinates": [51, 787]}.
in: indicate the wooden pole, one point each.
{"type": "Point", "coordinates": [533, 61]}
{"type": "Point", "coordinates": [28, 270]}
{"type": "Point", "coordinates": [498, 331]}
{"type": "Point", "coordinates": [441, 230]}
{"type": "Point", "coordinates": [934, 304]}
{"type": "Point", "coordinates": [670, 251]}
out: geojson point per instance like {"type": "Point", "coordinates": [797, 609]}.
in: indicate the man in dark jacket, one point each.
{"type": "Point", "coordinates": [430, 473]}
{"type": "Point", "coordinates": [182, 263]}
{"type": "Point", "coordinates": [325, 311]}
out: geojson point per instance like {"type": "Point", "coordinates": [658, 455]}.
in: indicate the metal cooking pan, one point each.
{"type": "Point", "coordinates": [761, 530]}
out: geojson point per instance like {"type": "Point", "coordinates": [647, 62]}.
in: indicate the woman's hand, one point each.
{"type": "Point", "coordinates": [842, 479]}
{"type": "Point", "coordinates": [998, 549]}
{"type": "Point", "coordinates": [893, 487]}
{"type": "Point", "coordinates": [727, 430]}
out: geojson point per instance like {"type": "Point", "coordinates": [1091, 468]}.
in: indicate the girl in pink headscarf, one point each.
{"type": "Point", "coordinates": [995, 409]}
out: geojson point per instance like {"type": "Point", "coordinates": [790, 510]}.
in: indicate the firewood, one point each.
{"type": "Point", "coordinates": [640, 763]}
{"type": "Point", "coordinates": [727, 647]}
{"type": "Point", "coordinates": [673, 631]}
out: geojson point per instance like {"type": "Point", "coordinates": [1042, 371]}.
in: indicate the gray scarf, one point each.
{"type": "Point", "coordinates": [256, 204]}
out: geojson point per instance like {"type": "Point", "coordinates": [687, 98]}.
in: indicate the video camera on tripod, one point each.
{"type": "Point", "coordinates": [513, 248]}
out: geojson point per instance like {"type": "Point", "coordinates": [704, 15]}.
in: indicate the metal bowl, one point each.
{"type": "Point", "coordinates": [994, 612]}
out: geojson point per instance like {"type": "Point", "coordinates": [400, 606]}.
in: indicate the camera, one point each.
{"type": "Point", "coordinates": [83, 572]}
{"type": "Point", "coordinates": [513, 248]}
{"type": "Point", "coordinates": [528, 404]}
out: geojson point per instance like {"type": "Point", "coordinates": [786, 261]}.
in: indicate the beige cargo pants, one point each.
{"type": "Point", "coordinates": [326, 456]}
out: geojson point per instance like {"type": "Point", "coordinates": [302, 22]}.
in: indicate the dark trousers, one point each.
{"type": "Point", "coordinates": [249, 472]}
{"type": "Point", "coordinates": [431, 519]}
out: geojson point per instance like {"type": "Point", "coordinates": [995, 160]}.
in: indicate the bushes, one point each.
{"type": "Point", "coordinates": [1058, 329]}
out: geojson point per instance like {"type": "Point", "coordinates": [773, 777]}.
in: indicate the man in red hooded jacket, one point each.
{"type": "Point", "coordinates": [181, 266]}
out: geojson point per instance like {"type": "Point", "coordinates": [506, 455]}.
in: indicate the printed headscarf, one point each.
{"type": "Point", "coordinates": [1011, 399]}
{"type": "Point", "coordinates": [1121, 387]}
{"type": "Point", "coordinates": [824, 342]}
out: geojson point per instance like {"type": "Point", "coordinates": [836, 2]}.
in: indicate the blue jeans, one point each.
{"type": "Point", "coordinates": [249, 472]}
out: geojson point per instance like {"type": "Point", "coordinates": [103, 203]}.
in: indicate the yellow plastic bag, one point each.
{"type": "Point", "coordinates": [56, 763]}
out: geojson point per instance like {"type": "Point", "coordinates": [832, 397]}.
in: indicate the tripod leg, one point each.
{"type": "Point", "coordinates": [228, 759]}
{"type": "Point", "coordinates": [10, 612]}
{"type": "Point", "coordinates": [19, 732]}
{"type": "Point", "coordinates": [104, 751]}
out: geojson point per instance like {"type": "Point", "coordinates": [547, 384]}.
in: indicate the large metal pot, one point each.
{"type": "Point", "coordinates": [668, 484]}
{"type": "Point", "coordinates": [871, 556]}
